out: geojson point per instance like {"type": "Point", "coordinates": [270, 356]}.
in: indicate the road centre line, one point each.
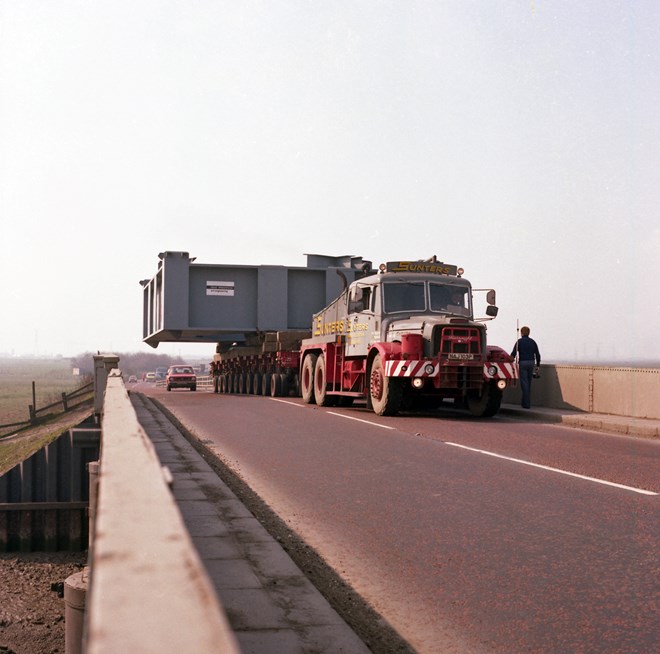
{"type": "Point", "coordinates": [341, 415]}
{"type": "Point", "coordinates": [368, 422]}
{"type": "Point", "coordinates": [301, 406]}
{"type": "Point", "coordinates": [641, 491]}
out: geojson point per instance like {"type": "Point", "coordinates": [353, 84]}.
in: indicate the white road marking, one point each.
{"type": "Point", "coordinates": [368, 422]}
{"type": "Point", "coordinates": [332, 413]}
{"type": "Point", "coordinates": [641, 491]}
{"type": "Point", "coordinates": [302, 406]}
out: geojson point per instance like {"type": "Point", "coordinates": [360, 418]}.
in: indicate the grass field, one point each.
{"type": "Point", "coordinates": [52, 377]}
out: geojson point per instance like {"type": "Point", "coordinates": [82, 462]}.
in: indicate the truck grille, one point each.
{"type": "Point", "coordinates": [458, 340]}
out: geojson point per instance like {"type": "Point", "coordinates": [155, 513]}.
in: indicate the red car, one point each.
{"type": "Point", "coordinates": [181, 377]}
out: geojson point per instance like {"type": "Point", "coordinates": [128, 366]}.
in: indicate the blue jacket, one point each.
{"type": "Point", "coordinates": [527, 349]}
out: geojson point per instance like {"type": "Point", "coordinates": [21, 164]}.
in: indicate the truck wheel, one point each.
{"type": "Point", "coordinates": [487, 404]}
{"type": "Point", "coordinates": [169, 388]}
{"type": "Point", "coordinates": [307, 379]}
{"type": "Point", "coordinates": [385, 392]}
{"type": "Point", "coordinates": [321, 384]}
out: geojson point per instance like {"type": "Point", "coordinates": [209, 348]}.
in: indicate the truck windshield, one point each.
{"type": "Point", "coordinates": [403, 296]}
{"type": "Point", "coordinates": [449, 299]}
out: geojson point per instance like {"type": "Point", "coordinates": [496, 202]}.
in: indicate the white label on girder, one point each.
{"type": "Point", "coordinates": [225, 289]}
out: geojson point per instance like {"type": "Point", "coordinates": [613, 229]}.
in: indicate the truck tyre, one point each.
{"type": "Point", "coordinates": [487, 403]}
{"type": "Point", "coordinates": [295, 385]}
{"type": "Point", "coordinates": [321, 384]}
{"type": "Point", "coordinates": [265, 383]}
{"type": "Point", "coordinates": [285, 384]}
{"type": "Point", "coordinates": [169, 388]}
{"type": "Point", "coordinates": [256, 384]}
{"type": "Point", "coordinates": [275, 385]}
{"type": "Point", "coordinates": [385, 392]}
{"type": "Point", "coordinates": [307, 379]}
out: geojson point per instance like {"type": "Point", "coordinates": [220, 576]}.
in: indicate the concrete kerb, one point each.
{"type": "Point", "coordinates": [269, 602]}
{"type": "Point", "coordinates": [622, 425]}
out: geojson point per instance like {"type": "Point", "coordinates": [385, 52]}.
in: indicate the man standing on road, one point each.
{"type": "Point", "coordinates": [528, 357]}
{"type": "Point", "coordinates": [214, 369]}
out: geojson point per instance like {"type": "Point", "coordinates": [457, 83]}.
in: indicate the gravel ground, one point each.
{"type": "Point", "coordinates": [31, 614]}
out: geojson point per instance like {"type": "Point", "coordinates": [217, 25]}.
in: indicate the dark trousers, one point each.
{"type": "Point", "coordinates": [526, 372]}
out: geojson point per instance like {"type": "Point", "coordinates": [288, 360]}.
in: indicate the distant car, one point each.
{"type": "Point", "coordinates": [132, 379]}
{"type": "Point", "coordinates": [181, 377]}
{"type": "Point", "coordinates": [150, 377]}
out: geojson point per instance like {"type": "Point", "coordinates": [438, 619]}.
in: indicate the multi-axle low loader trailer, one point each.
{"type": "Point", "coordinates": [390, 337]}
{"type": "Point", "coordinates": [256, 315]}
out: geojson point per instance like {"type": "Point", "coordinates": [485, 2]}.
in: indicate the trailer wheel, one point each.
{"type": "Point", "coordinates": [256, 384]}
{"type": "Point", "coordinates": [275, 385]}
{"type": "Point", "coordinates": [385, 392]}
{"type": "Point", "coordinates": [284, 381]}
{"type": "Point", "coordinates": [241, 383]}
{"type": "Point", "coordinates": [307, 379]}
{"type": "Point", "coordinates": [321, 384]}
{"type": "Point", "coordinates": [295, 385]}
{"type": "Point", "coordinates": [486, 404]}
{"type": "Point", "coordinates": [265, 383]}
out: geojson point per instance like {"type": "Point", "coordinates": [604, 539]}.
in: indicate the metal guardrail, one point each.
{"type": "Point", "coordinates": [148, 589]}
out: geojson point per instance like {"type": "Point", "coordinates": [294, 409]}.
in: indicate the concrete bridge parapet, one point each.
{"type": "Point", "coordinates": [625, 391]}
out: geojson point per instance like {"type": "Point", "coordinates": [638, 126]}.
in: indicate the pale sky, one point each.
{"type": "Point", "coordinates": [517, 139]}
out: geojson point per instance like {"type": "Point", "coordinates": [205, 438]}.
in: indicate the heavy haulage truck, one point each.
{"type": "Point", "coordinates": [403, 334]}
{"type": "Point", "coordinates": [392, 337]}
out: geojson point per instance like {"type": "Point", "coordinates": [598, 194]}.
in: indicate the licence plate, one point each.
{"type": "Point", "coordinates": [455, 356]}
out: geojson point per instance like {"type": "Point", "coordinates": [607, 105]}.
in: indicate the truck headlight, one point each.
{"type": "Point", "coordinates": [429, 368]}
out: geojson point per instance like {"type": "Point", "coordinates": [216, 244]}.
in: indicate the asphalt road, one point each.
{"type": "Point", "coordinates": [460, 550]}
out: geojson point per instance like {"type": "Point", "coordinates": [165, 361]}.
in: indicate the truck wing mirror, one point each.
{"type": "Point", "coordinates": [491, 310]}
{"type": "Point", "coordinates": [490, 298]}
